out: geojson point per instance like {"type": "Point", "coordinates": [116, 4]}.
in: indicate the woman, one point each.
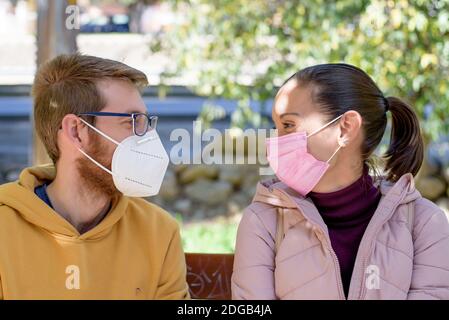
{"type": "Point", "coordinates": [326, 229]}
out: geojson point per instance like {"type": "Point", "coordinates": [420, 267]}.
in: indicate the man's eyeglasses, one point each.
{"type": "Point", "coordinates": [142, 122]}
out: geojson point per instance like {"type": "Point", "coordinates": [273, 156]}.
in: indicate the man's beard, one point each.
{"type": "Point", "coordinates": [95, 179]}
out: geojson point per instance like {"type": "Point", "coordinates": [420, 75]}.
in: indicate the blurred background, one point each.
{"type": "Point", "coordinates": [221, 62]}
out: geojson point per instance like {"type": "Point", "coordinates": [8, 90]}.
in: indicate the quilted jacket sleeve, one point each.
{"type": "Point", "coordinates": [253, 275]}
{"type": "Point", "coordinates": [430, 277]}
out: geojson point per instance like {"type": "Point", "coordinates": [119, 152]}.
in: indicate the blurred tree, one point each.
{"type": "Point", "coordinates": [243, 49]}
{"type": "Point", "coordinates": [53, 37]}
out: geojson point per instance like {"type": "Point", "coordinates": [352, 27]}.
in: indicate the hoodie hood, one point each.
{"type": "Point", "coordinates": [277, 194]}
{"type": "Point", "coordinates": [20, 197]}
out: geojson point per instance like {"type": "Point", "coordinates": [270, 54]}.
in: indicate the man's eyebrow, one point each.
{"type": "Point", "coordinates": [137, 111]}
{"type": "Point", "coordinates": [290, 114]}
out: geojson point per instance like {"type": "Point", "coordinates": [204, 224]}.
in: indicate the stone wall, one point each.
{"type": "Point", "coordinates": [206, 191]}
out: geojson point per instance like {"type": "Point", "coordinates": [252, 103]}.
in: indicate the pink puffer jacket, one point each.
{"type": "Point", "coordinates": [392, 262]}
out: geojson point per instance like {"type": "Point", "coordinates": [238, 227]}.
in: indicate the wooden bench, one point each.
{"type": "Point", "coordinates": [209, 275]}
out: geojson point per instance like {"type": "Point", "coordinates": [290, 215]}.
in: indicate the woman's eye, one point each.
{"type": "Point", "coordinates": [288, 125]}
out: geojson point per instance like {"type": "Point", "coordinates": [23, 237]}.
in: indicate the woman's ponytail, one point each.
{"type": "Point", "coordinates": [406, 151]}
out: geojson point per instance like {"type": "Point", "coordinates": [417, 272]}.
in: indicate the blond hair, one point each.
{"type": "Point", "coordinates": [67, 84]}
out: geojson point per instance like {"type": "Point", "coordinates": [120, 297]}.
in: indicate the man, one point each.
{"type": "Point", "coordinates": [78, 229]}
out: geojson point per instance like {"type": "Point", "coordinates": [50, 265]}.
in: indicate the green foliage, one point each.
{"type": "Point", "coordinates": [210, 236]}
{"type": "Point", "coordinates": [123, 2]}
{"type": "Point", "coordinates": [244, 49]}
{"type": "Point", "coordinates": [210, 113]}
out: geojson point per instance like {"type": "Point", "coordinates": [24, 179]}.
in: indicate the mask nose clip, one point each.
{"type": "Point", "coordinates": [146, 139]}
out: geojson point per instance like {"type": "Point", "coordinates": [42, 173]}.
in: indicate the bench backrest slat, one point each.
{"type": "Point", "coordinates": [209, 275]}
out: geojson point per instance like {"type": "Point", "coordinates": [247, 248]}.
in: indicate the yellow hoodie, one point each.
{"type": "Point", "coordinates": [134, 253]}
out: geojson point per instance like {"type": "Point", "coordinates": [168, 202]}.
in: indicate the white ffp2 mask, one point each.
{"type": "Point", "coordinates": [138, 163]}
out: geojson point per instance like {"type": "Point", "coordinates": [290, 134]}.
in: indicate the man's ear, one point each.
{"type": "Point", "coordinates": [350, 126]}
{"type": "Point", "coordinates": [74, 130]}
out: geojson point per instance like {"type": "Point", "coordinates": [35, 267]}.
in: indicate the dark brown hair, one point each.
{"type": "Point", "coordinates": [67, 84]}
{"type": "Point", "coordinates": [338, 88]}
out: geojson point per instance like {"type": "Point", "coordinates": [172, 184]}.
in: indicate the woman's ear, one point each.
{"type": "Point", "coordinates": [74, 130]}
{"type": "Point", "coordinates": [350, 125]}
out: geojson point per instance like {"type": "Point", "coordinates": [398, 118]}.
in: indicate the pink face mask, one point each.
{"type": "Point", "coordinates": [293, 164]}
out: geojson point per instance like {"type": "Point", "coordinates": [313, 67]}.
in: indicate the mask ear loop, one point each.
{"type": "Point", "coordinates": [319, 129]}
{"type": "Point", "coordinates": [327, 124]}
{"type": "Point", "coordinates": [99, 132]}
{"type": "Point", "coordinates": [338, 149]}
{"type": "Point", "coordinates": [345, 141]}
{"type": "Point", "coordinates": [96, 162]}
{"type": "Point", "coordinates": [89, 157]}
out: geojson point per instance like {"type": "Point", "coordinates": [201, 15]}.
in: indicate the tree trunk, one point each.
{"type": "Point", "coordinates": [54, 37]}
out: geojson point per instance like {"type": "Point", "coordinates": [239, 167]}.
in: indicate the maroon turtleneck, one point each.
{"type": "Point", "coordinates": [347, 213]}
